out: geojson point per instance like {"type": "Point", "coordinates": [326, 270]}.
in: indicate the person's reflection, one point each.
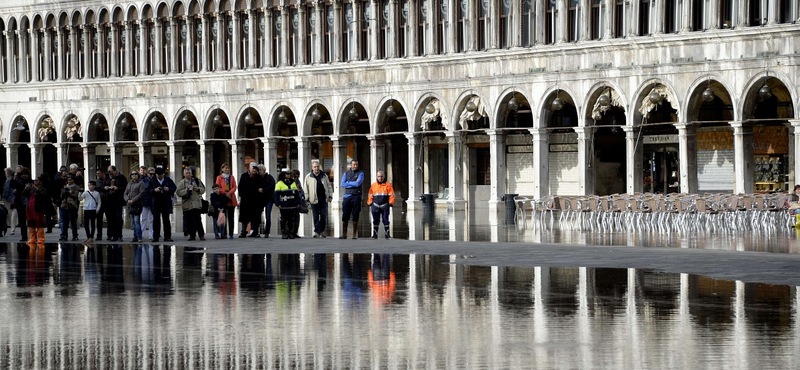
{"type": "Point", "coordinates": [69, 274]}
{"type": "Point", "coordinates": [112, 274]}
{"type": "Point", "coordinates": [223, 273]}
{"type": "Point", "coordinates": [353, 288]}
{"type": "Point", "coordinates": [288, 278]}
{"type": "Point", "coordinates": [321, 265]}
{"type": "Point", "coordinates": [381, 280]}
{"type": "Point", "coordinates": [143, 264]}
{"type": "Point", "coordinates": [94, 261]}
{"type": "Point", "coordinates": [162, 261]}
{"type": "Point", "coordinates": [252, 277]}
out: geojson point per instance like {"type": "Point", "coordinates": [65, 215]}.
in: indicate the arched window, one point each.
{"type": "Point", "coordinates": [506, 24]}
{"type": "Point", "coordinates": [644, 17]}
{"type": "Point", "coordinates": [365, 18]}
{"type": "Point", "coordinates": [277, 25]}
{"type": "Point", "coordinates": [528, 22]}
{"type": "Point", "coordinates": [294, 37]}
{"type": "Point", "coordinates": [574, 21]}
{"type": "Point", "coordinates": [312, 38]}
{"type": "Point", "coordinates": [550, 21]}
{"type": "Point", "coordinates": [328, 51]}
{"type": "Point", "coordinates": [348, 33]}
{"type": "Point", "coordinates": [463, 28]}
{"type": "Point", "coordinates": [671, 15]}
{"type": "Point", "coordinates": [423, 27]}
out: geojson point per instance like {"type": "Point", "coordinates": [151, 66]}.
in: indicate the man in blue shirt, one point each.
{"type": "Point", "coordinates": [351, 205]}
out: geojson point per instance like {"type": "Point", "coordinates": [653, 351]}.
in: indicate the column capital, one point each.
{"type": "Point", "coordinates": [143, 145]}
{"type": "Point", "coordinates": [410, 136]}
{"type": "Point", "coordinates": [537, 131]}
{"type": "Point", "coordinates": [736, 124]}
{"type": "Point", "coordinates": [794, 122]}
{"type": "Point", "coordinates": [268, 140]}
{"type": "Point", "coordinates": [631, 129]}
{"type": "Point", "coordinates": [300, 139]}
{"type": "Point", "coordinates": [174, 144]}
{"type": "Point", "coordinates": [232, 142]}
{"type": "Point", "coordinates": [494, 132]}
{"type": "Point", "coordinates": [683, 125]}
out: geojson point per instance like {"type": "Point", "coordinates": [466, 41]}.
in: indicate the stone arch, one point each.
{"type": "Point", "coordinates": [635, 117]}
{"type": "Point", "coordinates": [419, 109]}
{"type": "Point", "coordinates": [380, 113]}
{"type": "Point", "coordinates": [308, 121]}
{"type": "Point", "coordinates": [780, 89]}
{"type": "Point", "coordinates": [501, 104]}
{"type": "Point", "coordinates": [344, 114]}
{"type": "Point", "coordinates": [547, 100]}
{"type": "Point", "coordinates": [459, 114]}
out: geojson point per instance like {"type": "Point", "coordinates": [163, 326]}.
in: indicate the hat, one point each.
{"type": "Point", "coordinates": [160, 171]}
{"type": "Point", "coordinates": [253, 164]}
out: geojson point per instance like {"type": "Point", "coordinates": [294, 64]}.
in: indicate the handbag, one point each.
{"type": "Point", "coordinates": [303, 208]}
{"type": "Point", "coordinates": [221, 219]}
{"type": "Point", "coordinates": [205, 207]}
{"type": "Point", "coordinates": [135, 209]}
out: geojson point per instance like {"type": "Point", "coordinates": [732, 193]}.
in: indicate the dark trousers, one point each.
{"type": "Point", "coordinates": [351, 206]}
{"type": "Point", "coordinates": [22, 221]}
{"type": "Point", "coordinates": [268, 217]}
{"type": "Point", "coordinates": [194, 223]}
{"type": "Point", "coordinates": [116, 218]}
{"type": "Point", "coordinates": [287, 220]}
{"type": "Point", "coordinates": [230, 219]}
{"type": "Point", "coordinates": [89, 219]}
{"type": "Point", "coordinates": [100, 214]}
{"type": "Point", "coordinates": [378, 213]}
{"type": "Point", "coordinates": [161, 217]}
{"type": "Point", "coordinates": [319, 216]}
{"type": "Point", "coordinates": [68, 218]}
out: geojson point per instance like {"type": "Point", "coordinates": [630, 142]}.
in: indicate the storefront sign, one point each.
{"type": "Point", "coordinates": [770, 140]}
{"type": "Point", "coordinates": [715, 140]}
{"type": "Point", "coordinates": [520, 148]}
{"type": "Point", "coordinates": [660, 139]}
{"type": "Point", "coordinates": [563, 147]}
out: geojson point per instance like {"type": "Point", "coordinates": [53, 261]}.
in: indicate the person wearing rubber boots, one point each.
{"type": "Point", "coordinates": [380, 199]}
{"type": "Point", "coordinates": [287, 197]}
{"type": "Point", "coordinates": [351, 204]}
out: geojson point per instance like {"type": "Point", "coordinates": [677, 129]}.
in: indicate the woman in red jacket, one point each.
{"type": "Point", "coordinates": [227, 187]}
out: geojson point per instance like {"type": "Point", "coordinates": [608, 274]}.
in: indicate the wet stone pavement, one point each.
{"type": "Point", "coordinates": [451, 292]}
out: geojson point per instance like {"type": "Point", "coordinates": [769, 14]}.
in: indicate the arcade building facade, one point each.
{"type": "Point", "coordinates": [465, 99]}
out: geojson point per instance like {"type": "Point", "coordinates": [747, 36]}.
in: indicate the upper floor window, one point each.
{"type": "Point", "coordinates": [574, 20]}
{"type": "Point", "coordinates": [506, 24]}
{"type": "Point", "coordinates": [726, 13]}
{"type": "Point", "coordinates": [348, 35]}
{"type": "Point", "coordinates": [671, 15]}
{"type": "Point", "coordinates": [403, 30]}
{"type": "Point", "coordinates": [550, 21]}
{"type": "Point", "coordinates": [528, 22]}
{"type": "Point", "coordinates": [621, 13]}
{"type": "Point", "coordinates": [462, 28]}
{"type": "Point", "coordinates": [644, 17]}
{"type": "Point", "coordinates": [294, 37]}
{"type": "Point", "coordinates": [698, 15]}
{"type": "Point", "coordinates": [440, 45]}
{"type": "Point", "coordinates": [423, 27]}
{"type": "Point", "coordinates": [757, 10]}
{"type": "Point", "coordinates": [484, 30]}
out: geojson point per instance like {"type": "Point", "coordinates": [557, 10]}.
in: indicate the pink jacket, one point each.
{"type": "Point", "coordinates": [221, 182]}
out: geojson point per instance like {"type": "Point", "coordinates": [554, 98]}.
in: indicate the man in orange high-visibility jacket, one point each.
{"type": "Point", "coordinates": [380, 199]}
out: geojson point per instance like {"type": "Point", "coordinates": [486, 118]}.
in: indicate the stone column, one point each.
{"type": "Point", "coordinates": [128, 67]}
{"type": "Point", "coordinates": [61, 56]}
{"type": "Point", "coordinates": [411, 36]}
{"type": "Point", "coordinates": [270, 154]}
{"type": "Point", "coordinates": [88, 163]}
{"type": "Point", "coordinates": [23, 59]}
{"type": "Point", "coordinates": [3, 69]}
{"type": "Point", "coordinates": [391, 38]}
{"type": "Point", "coordinates": [34, 48]}
{"type": "Point", "coordinates": [302, 36]}
{"type": "Point", "coordinates": [87, 54]}
{"type": "Point", "coordinates": [11, 61]}
{"type": "Point", "coordinates": [74, 65]}
{"type": "Point", "coordinates": [115, 155]}
{"type": "Point", "coordinates": [141, 67]}
{"type": "Point", "coordinates": [36, 159]}
{"type": "Point", "coordinates": [61, 153]}
{"type": "Point", "coordinates": [608, 31]}
{"type": "Point", "coordinates": [538, 35]}
{"type": "Point", "coordinates": [157, 57]}
{"type": "Point", "coordinates": [173, 46]}
{"type": "Point", "coordinates": [713, 10]}
{"type": "Point", "coordinates": [269, 30]}
{"type": "Point", "coordinates": [541, 165]}
{"type": "Point", "coordinates": [687, 156]}
{"type": "Point", "coordinates": [686, 15]}
{"type": "Point", "coordinates": [497, 151]}
{"type": "Point", "coordinates": [586, 12]}
{"type": "Point", "coordinates": [237, 56]}
{"type": "Point", "coordinates": [585, 159]}
{"type": "Point", "coordinates": [251, 38]}
{"type": "Point", "coordinates": [455, 146]}
{"type": "Point", "coordinates": [561, 21]}
{"type": "Point", "coordinates": [319, 10]}
{"type": "Point", "coordinates": [175, 155]}
{"type": "Point", "coordinates": [795, 179]}
{"type": "Point", "coordinates": [303, 155]}
{"type": "Point", "coordinates": [656, 17]}
{"type": "Point", "coordinates": [12, 154]}
{"type": "Point", "coordinates": [191, 35]}
{"type": "Point", "coordinates": [633, 157]}
{"type": "Point", "coordinates": [377, 154]}
{"type": "Point", "coordinates": [340, 166]}
{"type": "Point", "coordinates": [114, 51]}
{"type": "Point", "coordinates": [337, 31]}
{"type": "Point", "coordinates": [743, 157]}
{"type": "Point", "coordinates": [206, 57]}
{"type": "Point", "coordinates": [220, 55]}
{"type": "Point", "coordinates": [145, 154]}
{"type": "Point", "coordinates": [772, 12]}
{"type": "Point", "coordinates": [415, 186]}
{"type": "Point", "coordinates": [48, 55]}
{"type": "Point", "coordinates": [101, 51]}
{"type": "Point", "coordinates": [284, 52]}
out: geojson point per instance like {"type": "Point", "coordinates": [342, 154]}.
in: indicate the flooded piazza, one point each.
{"type": "Point", "coordinates": [171, 306]}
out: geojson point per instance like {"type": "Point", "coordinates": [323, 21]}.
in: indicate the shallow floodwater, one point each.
{"type": "Point", "coordinates": [134, 307]}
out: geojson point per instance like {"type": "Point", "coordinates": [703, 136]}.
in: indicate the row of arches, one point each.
{"type": "Point", "coordinates": [708, 100]}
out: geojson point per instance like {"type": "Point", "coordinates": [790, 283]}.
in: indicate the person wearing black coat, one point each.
{"type": "Point", "coordinates": [22, 179]}
{"type": "Point", "coordinates": [251, 193]}
{"type": "Point", "coordinates": [161, 189]}
{"type": "Point", "coordinates": [103, 183]}
{"type": "Point", "coordinates": [116, 192]}
{"type": "Point", "coordinates": [269, 198]}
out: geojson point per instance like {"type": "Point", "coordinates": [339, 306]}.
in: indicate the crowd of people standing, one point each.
{"type": "Point", "coordinates": [148, 195]}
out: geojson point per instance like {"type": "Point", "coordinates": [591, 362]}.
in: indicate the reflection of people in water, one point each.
{"type": "Point", "coordinates": [381, 280]}
{"type": "Point", "coordinates": [353, 288]}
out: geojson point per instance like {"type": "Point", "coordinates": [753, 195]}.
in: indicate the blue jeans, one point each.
{"type": "Point", "coordinates": [319, 216]}
{"type": "Point", "coordinates": [136, 224]}
{"type": "Point", "coordinates": [268, 217]}
{"type": "Point", "coordinates": [67, 217]}
{"type": "Point", "coordinates": [219, 230]}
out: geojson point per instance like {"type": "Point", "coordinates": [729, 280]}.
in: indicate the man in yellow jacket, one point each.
{"type": "Point", "coordinates": [380, 200]}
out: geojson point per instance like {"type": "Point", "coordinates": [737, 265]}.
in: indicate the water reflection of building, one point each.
{"type": "Point", "coordinates": [443, 312]}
